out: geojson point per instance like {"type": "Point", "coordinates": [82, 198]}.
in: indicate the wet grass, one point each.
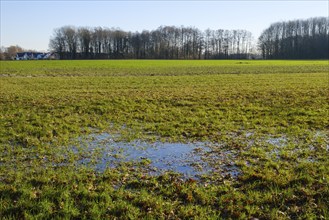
{"type": "Point", "coordinates": [269, 119]}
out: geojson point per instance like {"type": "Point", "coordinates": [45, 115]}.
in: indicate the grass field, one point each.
{"type": "Point", "coordinates": [272, 116]}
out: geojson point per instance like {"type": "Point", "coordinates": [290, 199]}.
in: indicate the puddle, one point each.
{"type": "Point", "coordinates": [189, 159]}
{"type": "Point", "coordinates": [192, 159]}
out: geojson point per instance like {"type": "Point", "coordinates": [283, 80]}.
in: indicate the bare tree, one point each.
{"type": "Point", "coordinates": [166, 42]}
{"type": "Point", "coordinates": [298, 39]}
{"type": "Point", "coordinates": [84, 36]}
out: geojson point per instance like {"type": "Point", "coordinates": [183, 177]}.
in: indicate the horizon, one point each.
{"type": "Point", "coordinates": [136, 16]}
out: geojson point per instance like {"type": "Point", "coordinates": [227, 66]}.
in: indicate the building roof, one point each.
{"type": "Point", "coordinates": [34, 54]}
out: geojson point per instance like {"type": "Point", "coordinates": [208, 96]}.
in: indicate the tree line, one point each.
{"type": "Point", "coordinates": [166, 42]}
{"type": "Point", "coordinates": [298, 39]}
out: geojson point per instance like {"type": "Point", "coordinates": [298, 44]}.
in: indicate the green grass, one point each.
{"type": "Point", "coordinates": [44, 105]}
{"type": "Point", "coordinates": [157, 68]}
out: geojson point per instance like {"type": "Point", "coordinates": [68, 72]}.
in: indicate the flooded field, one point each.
{"type": "Point", "coordinates": [191, 159]}
{"type": "Point", "coordinates": [158, 139]}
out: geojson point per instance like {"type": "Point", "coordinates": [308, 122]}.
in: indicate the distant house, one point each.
{"type": "Point", "coordinates": [35, 56]}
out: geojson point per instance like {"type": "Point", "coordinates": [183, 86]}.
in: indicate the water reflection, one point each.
{"type": "Point", "coordinates": [190, 159]}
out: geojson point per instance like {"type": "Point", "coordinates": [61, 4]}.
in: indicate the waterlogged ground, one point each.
{"type": "Point", "coordinates": [191, 160]}
{"type": "Point", "coordinates": [164, 140]}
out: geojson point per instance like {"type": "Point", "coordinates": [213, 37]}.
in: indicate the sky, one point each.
{"type": "Point", "coordinates": [30, 24]}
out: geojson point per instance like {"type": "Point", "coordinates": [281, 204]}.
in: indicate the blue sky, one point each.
{"type": "Point", "coordinates": [30, 24]}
